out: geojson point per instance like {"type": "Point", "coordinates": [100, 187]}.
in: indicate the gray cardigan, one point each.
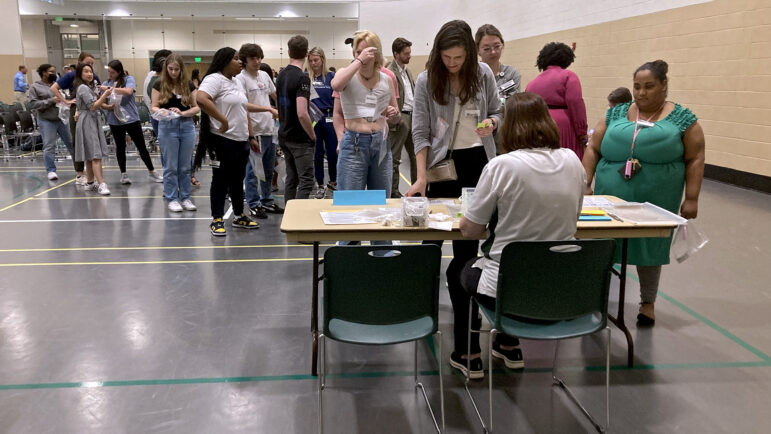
{"type": "Point", "coordinates": [426, 111]}
{"type": "Point", "coordinates": [41, 98]}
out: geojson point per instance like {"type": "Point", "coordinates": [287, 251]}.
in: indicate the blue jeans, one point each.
{"type": "Point", "coordinates": [265, 195]}
{"type": "Point", "coordinates": [358, 168]}
{"type": "Point", "coordinates": [357, 163]}
{"type": "Point", "coordinates": [155, 123]}
{"type": "Point", "coordinates": [50, 130]}
{"type": "Point", "coordinates": [177, 140]}
{"type": "Point", "coordinates": [326, 140]}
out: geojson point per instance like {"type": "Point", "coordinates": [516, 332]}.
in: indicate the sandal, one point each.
{"type": "Point", "coordinates": [194, 181]}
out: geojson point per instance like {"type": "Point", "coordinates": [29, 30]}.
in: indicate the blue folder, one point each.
{"type": "Point", "coordinates": [594, 218]}
{"type": "Point", "coordinates": [359, 197]}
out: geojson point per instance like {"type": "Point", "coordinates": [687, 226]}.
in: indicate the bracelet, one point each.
{"type": "Point", "coordinates": [362, 63]}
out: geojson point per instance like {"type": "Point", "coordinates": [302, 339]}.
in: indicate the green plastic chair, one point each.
{"type": "Point", "coordinates": [551, 290]}
{"type": "Point", "coordinates": [374, 298]}
{"type": "Point", "coordinates": [144, 113]}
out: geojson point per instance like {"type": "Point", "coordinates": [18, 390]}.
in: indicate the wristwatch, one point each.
{"type": "Point", "coordinates": [252, 137]}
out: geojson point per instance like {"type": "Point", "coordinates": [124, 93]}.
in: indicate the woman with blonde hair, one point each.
{"type": "Point", "coordinates": [176, 94]}
{"type": "Point", "coordinates": [367, 102]}
{"type": "Point", "coordinates": [321, 96]}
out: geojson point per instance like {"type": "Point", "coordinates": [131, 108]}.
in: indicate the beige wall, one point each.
{"type": "Point", "coordinates": [719, 57]}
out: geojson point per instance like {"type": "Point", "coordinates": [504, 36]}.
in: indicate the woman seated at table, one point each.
{"type": "Point", "coordinates": [533, 192]}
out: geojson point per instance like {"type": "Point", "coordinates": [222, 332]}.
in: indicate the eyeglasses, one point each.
{"type": "Point", "coordinates": [490, 49]}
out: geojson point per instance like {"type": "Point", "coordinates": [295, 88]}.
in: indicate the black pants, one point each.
{"type": "Point", "coordinates": [468, 164]}
{"type": "Point", "coordinates": [79, 165]}
{"type": "Point", "coordinates": [228, 178]}
{"type": "Point", "coordinates": [460, 298]}
{"type": "Point", "coordinates": [134, 130]}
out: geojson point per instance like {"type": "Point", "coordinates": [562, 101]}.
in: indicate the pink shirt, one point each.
{"type": "Point", "coordinates": [561, 88]}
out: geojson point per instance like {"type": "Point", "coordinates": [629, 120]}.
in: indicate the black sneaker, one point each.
{"type": "Point", "coordinates": [512, 358]}
{"type": "Point", "coordinates": [244, 222]}
{"type": "Point", "coordinates": [460, 364]}
{"type": "Point", "coordinates": [258, 213]}
{"type": "Point", "coordinates": [273, 209]}
{"type": "Point", "coordinates": [332, 185]}
{"type": "Point", "coordinates": [217, 227]}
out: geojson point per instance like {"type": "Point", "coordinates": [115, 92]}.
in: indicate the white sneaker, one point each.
{"type": "Point", "coordinates": [93, 186]}
{"type": "Point", "coordinates": [52, 176]}
{"type": "Point", "coordinates": [174, 206]}
{"type": "Point", "coordinates": [103, 190]}
{"type": "Point", "coordinates": [81, 180]}
{"type": "Point", "coordinates": [155, 176]}
{"type": "Point", "coordinates": [124, 179]}
{"type": "Point", "coordinates": [188, 205]}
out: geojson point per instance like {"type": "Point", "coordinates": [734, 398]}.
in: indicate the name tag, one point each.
{"type": "Point", "coordinates": [472, 113]}
{"type": "Point", "coordinates": [645, 124]}
{"type": "Point", "coordinates": [328, 120]}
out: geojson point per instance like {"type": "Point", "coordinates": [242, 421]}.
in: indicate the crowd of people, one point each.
{"type": "Point", "coordinates": [463, 122]}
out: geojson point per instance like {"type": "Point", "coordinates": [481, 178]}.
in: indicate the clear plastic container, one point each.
{"type": "Point", "coordinates": [414, 211]}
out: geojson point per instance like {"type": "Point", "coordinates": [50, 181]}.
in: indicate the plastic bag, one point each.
{"type": "Point", "coordinates": [686, 241]}
{"type": "Point", "coordinates": [64, 113]}
{"type": "Point", "coordinates": [255, 159]}
{"type": "Point", "coordinates": [119, 111]}
{"type": "Point", "coordinates": [315, 113]}
{"type": "Point", "coordinates": [164, 115]}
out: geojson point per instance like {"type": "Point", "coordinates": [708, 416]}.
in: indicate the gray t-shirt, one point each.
{"type": "Point", "coordinates": [509, 79]}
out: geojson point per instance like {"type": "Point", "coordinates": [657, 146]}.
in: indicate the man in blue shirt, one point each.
{"type": "Point", "coordinates": [20, 85]}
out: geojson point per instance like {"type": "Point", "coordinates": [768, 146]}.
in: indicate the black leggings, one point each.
{"type": "Point", "coordinates": [134, 130]}
{"type": "Point", "coordinates": [229, 177]}
{"type": "Point", "coordinates": [460, 298]}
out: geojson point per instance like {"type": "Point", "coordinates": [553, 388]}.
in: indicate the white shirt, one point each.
{"type": "Point", "coordinates": [148, 97]}
{"type": "Point", "coordinates": [538, 194]}
{"type": "Point", "coordinates": [408, 96]}
{"type": "Point", "coordinates": [229, 97]}
{"type": "Point", "coordinates": [258, 90]}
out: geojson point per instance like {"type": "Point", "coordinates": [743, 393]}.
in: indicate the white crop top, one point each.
{"type": "Point", "coordinates": [360, 102]}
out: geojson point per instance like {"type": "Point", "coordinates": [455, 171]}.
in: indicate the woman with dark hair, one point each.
{"type": "Point", "coordinates": [90, 143]}
{"type": "Point", "coordinates": [456, 110]}
{"type": "Point", "coordinates": [43, 100]}
{"type": "Point", "coordinates": [648, 151]}
{"type": "Point", "coordinates": [195, 77]}
{"type": "Point", "coordinates": [533, 192]}
{"type": "Point", "coordinates": [173, 92]}
{"type": "Point", "coordinates": [123, 118]}
{"type": "Point", "coordinates": [561, 90]}
{"type": "Point", "coordinates": [225, 135]}
{"type": "Point", "coordinates": [490, 45]}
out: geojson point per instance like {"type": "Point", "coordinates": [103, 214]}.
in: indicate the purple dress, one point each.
{"type": "Point", "coordinates": [561, 90]}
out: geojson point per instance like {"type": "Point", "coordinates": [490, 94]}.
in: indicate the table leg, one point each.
{"type": "Point", "coordinates": [619, 320]}
{"type": "Point", "coordinates": [315, 309]}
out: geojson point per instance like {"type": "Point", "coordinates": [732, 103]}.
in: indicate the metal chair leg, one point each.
{"type": "Point", "coordinates": [490, 371]}
{"type": "Point", "coordinates": [441, 380]}
{"type": "Point", "coordinates": [561, 383]}
{"type": "Point", "coordinates": [468, 367]}
{"type": "Point", "coordinates": [419, 385]}
{"type": "Point", "coordinates": [322, 372]}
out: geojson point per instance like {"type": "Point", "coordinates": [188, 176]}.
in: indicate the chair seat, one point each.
{"type": "Point", "coordinates": [369, 334]}
{"type": "Point", "coordinates": [583, 325]}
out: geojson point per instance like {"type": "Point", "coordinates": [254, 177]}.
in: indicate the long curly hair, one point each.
{"type": "Point", "coordinates": [171, 86]}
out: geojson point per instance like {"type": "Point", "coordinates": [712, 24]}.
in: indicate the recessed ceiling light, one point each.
{"type": "Point", "coordinates": [74, 25]}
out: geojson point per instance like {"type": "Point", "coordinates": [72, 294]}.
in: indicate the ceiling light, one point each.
{"type": "Point", "coordinates": [74, 25]}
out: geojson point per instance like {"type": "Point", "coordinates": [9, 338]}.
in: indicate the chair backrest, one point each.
{"type": "Point", "coordinates": [14, 114]}
{"type": "Point", "coordinates": [144, 113]}
{"type": "Point", "coordinates": [9, 122]}
{"type": "Point", "coordinates": [362, 287]}
{"type": "Point", "coordinates": [17, 105]}
{"type": "Point", "coordinates": [25, 121]}
{"type": "Point", "coordinates": [554, 280]}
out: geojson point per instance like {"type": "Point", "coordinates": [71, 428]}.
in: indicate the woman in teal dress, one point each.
{"type": "Point", "coordinates": [668, 143]}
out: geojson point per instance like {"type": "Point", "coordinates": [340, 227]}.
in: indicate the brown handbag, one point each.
{"type": "Point", "coordinates": [445, 170]}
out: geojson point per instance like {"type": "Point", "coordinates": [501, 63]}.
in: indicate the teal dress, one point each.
{"type": "Point", "coordinates": [661, 180]}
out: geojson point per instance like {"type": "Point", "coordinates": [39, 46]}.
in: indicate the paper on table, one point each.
{"type": "Point", "coordinates": [593, 201]}
{"type": "Point", "coordinates": [345, 218]}
{"type": "Point", "coordinates": [442, 226]}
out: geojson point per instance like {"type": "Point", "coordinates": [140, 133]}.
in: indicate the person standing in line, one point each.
{"type": "Point", "coordinates": [20, 85]}
{"type": "Point", "coordinates": [561, 90]}
{"type": "Point", "coordinates": [259, 87]}
{"type": "Point", "coordinates": [225, 135]}
{"type": "Point", "coordinates": [326, 140]}
{"type": "Point", "coordinates": [124, 118]}
{"type": "Point", "coordinates": [296, 136]}
{"type": "Point", "coordinates": [42, 100]}
{"type": "Point", "coordinates": [90, 143]}
{"type": "Point", "coordinates": [401, 134]}
{"type": "Point", "coordinates": [195, 77]}
{"type": "Point", "coordinates": [156, 67]}
{"type": "Point", "coordinates": [66, 82]}
{"type": "Point", "coordinates": [456, 112]}
{"type": "Point", "coordinates": [176, 136]}
{"type": "Point", "coordinates": [490, 45]}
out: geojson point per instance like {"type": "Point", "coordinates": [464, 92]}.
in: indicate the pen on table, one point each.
{"type": "Point", "coordinates": [614, 217]}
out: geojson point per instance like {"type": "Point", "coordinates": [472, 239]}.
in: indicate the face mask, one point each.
{"type": "Point", "coordinates": [51, 78]}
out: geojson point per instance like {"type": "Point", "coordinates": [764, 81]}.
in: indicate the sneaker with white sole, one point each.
{"type": "Point", "coordinates": [174, 206]}
{"type": "Point", "coordinates": [91, 186]}
{"type": "Point", "coordinates": [81, 180]}
{"type": "Point", "coordinates": [188, 205]}
{"type": "Point", "coordinates": [124, 179]}
{"type": "Point", "coordinates": [155, 176]}
{"type": "Point", "coordinates": [477, 371]}
{"type": "Point", "coordinates": [103, 190]}
{"type": "Point", "coordinates": [52, 176]}
{"type": "Point", "coordinates": [511, 358]}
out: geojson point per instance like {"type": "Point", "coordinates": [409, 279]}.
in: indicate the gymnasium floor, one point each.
{"type": "Point", "coordinates": [117, 317]}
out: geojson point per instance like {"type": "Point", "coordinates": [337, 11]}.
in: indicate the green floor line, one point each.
{"type": "Point", "coordinates": [297, 377]}
{"type": "Point", "coordinates": [737, 340]}
{"type": "Point", "coordinates": [38, 187]}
